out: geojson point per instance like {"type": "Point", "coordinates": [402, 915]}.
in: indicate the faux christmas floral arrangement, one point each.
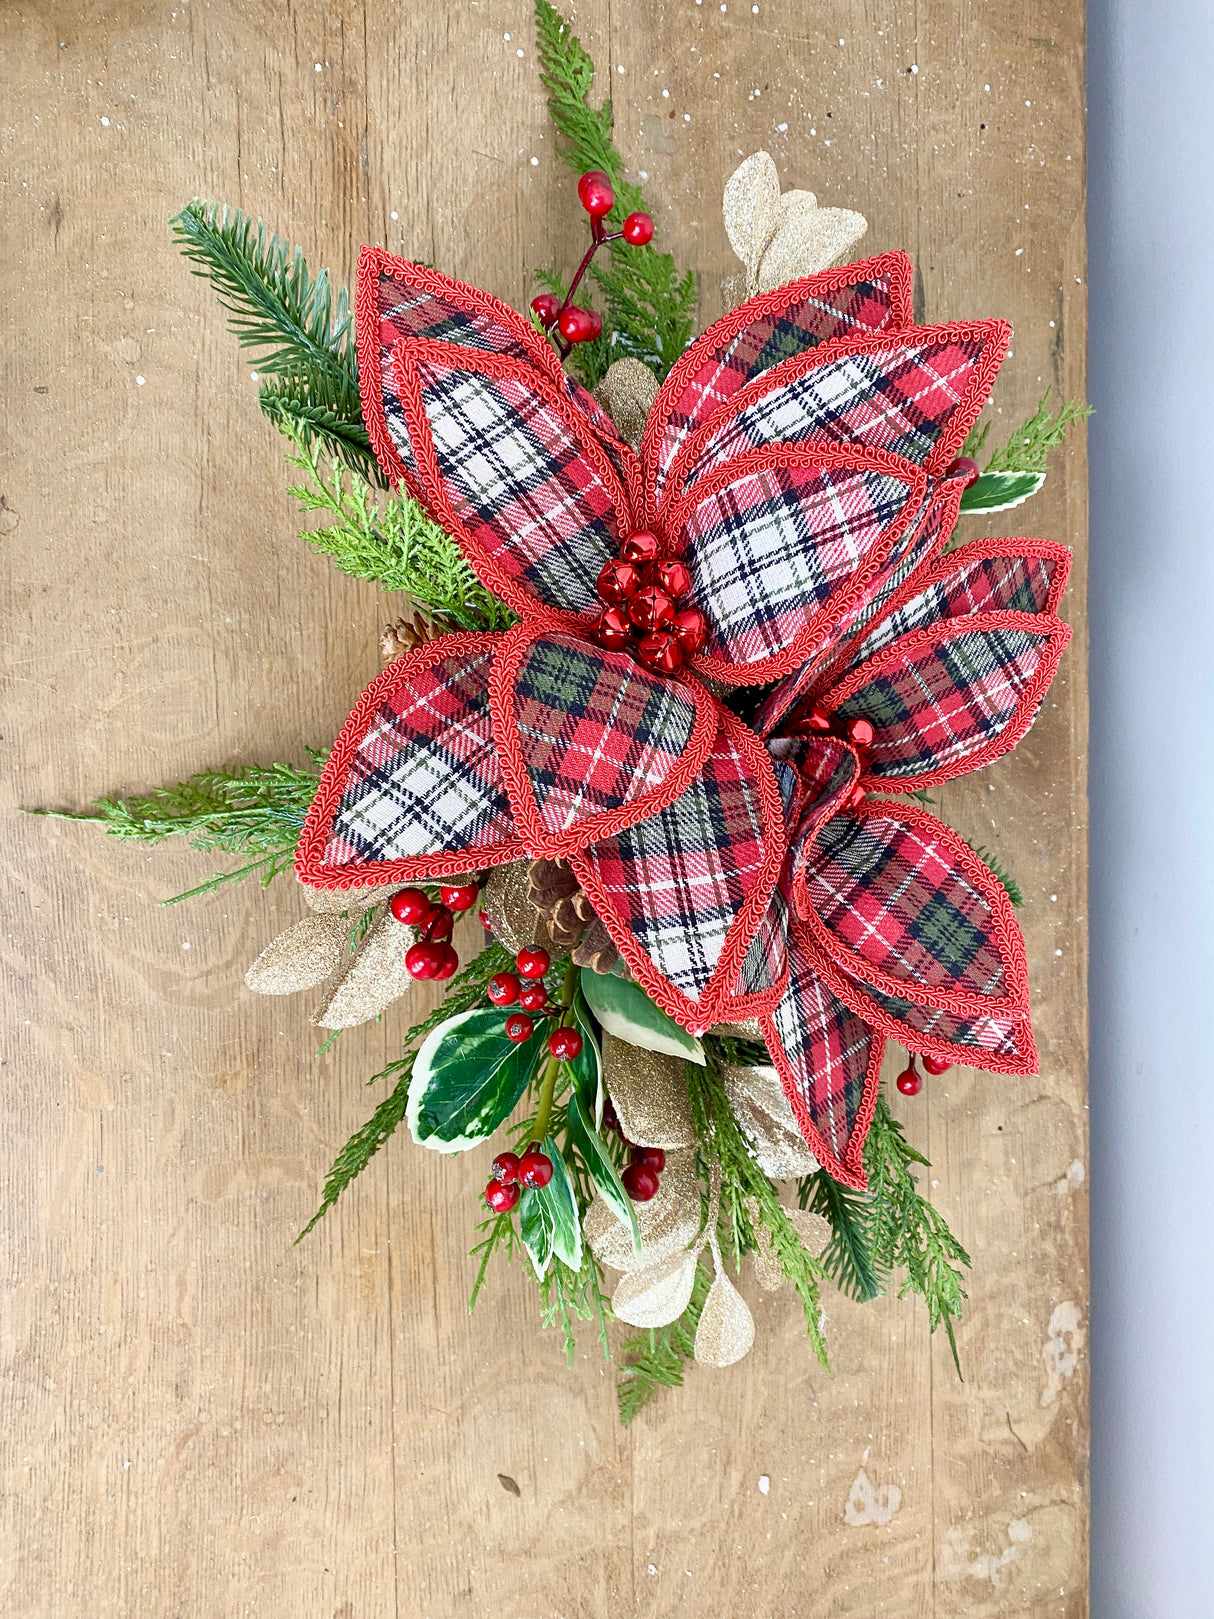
{"type": "Point", "coordinates": [688, 643]}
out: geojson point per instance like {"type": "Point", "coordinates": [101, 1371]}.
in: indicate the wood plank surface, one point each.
{"type": "Point", "coordinates": [200, 1420]}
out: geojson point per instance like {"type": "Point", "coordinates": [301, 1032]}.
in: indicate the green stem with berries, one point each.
{"type": "Point", "coordinates": [551, 1067]}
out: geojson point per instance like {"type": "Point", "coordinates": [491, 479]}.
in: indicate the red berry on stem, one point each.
{"type": "Point", "coordinates": [502, 989]}
{"type": "Point", "coordinates": [535, 1168]}
{"type": "Point", "coordinates": [936, 1065]}
{"type": "Point", "coordinates": [439, 925]}
{"type": "Point", "coordinates": [640, 1182]}
{"type": "Point", "coordinates": [651, 609]}
{"type": "Point", "coordinates": [410, 905]}
{"type": "Point", "coordinates": [860, 733]}
{"type": "Point", "coordinates": [485, 921]}
{"type": "Point", "coordinates": [654, 1157]}
{"type": "Point", "coordinates": [613, 629]}
{"type": "Point", "coordinates": [533, 998]}
{"type": "Point", "coordinates": [673, 576]}
{"type": "Point", "coordinates": [595, 194]}
{"type": "Point", "coordinates": [532, 963]}
{"type": "Point", "coordinates": [691, 629]}
{"type": "Point", "coordinates": [611, 1120]}
{"type": "Point", "coordinates": [423, 960]}
{"type": "Point", "coordinates": [596, 325]}
{"type": "Point", "coordinates": [619, 582]}
{"type": "Point", "coordinates": [963, 467]}
{"type": "Point", "coordinates": [640, 546]}
{"type": "Point", "coordinates": [459, 896]}
{"type": "Point", "coordinates": [500, 1197]}
{"type": "Point", "coordinates": [578, 325]}
{"type": "Point", "coordinates": [638, 229]}
{"type": "Point", "coordinates": [565, 1043]}
{"type": "Point", "coordinates": [449, 963]}
{"type": "Point", "coordinates": [547, 306]}
{"type": "Point", "coordinates": [519, 1027]}
{"type": "Point", "coordinates": [660, 652]}
{"type": "Point", "coordinates": [505, 1167]}
{"type": "Point", "coordinates": [908, 1081]}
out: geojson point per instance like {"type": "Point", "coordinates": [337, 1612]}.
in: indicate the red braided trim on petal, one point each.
{"type": "Point", "coordinates": [586, 745]}
{"type": "Point", "coordinates": [885, 921]}
{"type": "Point", "coordinates": [310, 865]}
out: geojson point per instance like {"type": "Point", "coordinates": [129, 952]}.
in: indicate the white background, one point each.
{"type": "Point", "coordinates": [1151, 229]}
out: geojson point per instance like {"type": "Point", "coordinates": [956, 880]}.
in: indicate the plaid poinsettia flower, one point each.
{"type": "Point", "coordinates": [796, 461]}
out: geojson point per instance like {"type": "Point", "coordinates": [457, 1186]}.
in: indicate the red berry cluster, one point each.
{"type": "Point", "coordinates": [521, 987]}
{"type": "Point", "coordinates": [511, 1173]}
{"type": "Point", "coordinates": [432, 956]}
{"type": "Point", "coordinates": [641, 1177]}
{"type": "Point", "coordinates": [572, 324]}
{"type": "Point", "coordinates": [910, 1081]}
{"type": "Point", "coordinates": [641, 592]}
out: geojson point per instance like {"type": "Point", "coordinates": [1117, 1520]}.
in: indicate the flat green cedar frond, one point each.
{"type": "Point", "coordinates": [649, 305]}
{"type": "Point", "coordinates": [657, 1360]}
{"type": "Point", "coordinates": [466, 989]}
{"type": "Point", "coordinates": [1028, 449]}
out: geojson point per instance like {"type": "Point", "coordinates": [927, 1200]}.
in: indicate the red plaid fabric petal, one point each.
{"type": "Point", "coordinates": [915, 396]}
{"type": "Point", "coordinates": [589, 740]}
{"type": "Point", "coordinates": [509, 467]}
{"type": "Point", "coordinates": [780, 543]}
{"type": "Point", "coordinates": [859, 300]}
{"type": "Point", "coordinates": [684, 891]}
{"type": "Point", "coordinates": [413, 787]}
{"type": "Point", "coordinates": [952, 697]}
{"type": "Point", "coordinates": [987, 576]}
{"type": "Point", "coordinates": [898, 901]}
{"type": "Point", "coordinates": [1001, 1045]}
{"type": "Point", "coordinates": [764, 972]}
{"type": "Point", "coordinates": [829, 1062]}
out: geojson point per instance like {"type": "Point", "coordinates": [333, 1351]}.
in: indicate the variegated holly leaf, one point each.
{"type": "Point", "coordinates": [548, 1217]}
{"type": "Point", "coordinates": [467, 1079]}
{"type": "Point", "coordinates": [1000, 491]}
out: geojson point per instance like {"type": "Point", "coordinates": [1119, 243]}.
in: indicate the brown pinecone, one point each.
{"type": "Point", "coordinates": [596, 949]}
{"type": "Point", "coordinates": [406, 635]}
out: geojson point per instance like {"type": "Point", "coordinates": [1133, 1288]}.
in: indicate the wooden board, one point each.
{"type": "Point", "coordinates": [199, 1419]}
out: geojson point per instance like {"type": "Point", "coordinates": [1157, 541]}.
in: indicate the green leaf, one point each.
{"type": "Point", "coordinates": [587, 1067]}
{"type": "Point", "coordinates": [999, 491]}
{"type": "Point", "coordinates": [626, 1011]}
{"type": "Point", "coordinates": [467, 1079]}
{"type": "Point", "coordinates": [602, 1171]}
{"type": "Point", "coordinates": [548, 1217]}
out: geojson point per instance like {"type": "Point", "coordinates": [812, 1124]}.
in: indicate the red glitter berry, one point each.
{"type": "Point", "coordinates": [660, 652]}
{"type": "Point", "coordinates": [651, 609]}
{"type": "Point", "coordinates": [936, 1065]}
{"type": "Point", "coordinates": [963, 467]}
{"type": "Point", "coordinates": [535, 1167]}
{"type": "Point", "coordinates": [908, 1081]}
{"type": "Point", "coordinates": [618, 582]}
{"type": "Point", "coordinates": [459, 896]}
{"type": "Point", "coordinates": [533, 998]}
{"type": "Point", "coordinates": [691, 629]}
{"type": "Point", "coordinates": [519, 1027]}
{"type": "Point", "coordinates": [409, 906]}
{"type": "Point", "coordinates": [547, 306]}
{"type": "Point", "coordinates": [673, 576]}
{"type": "Point", "coordinates": [640, 1182]}
{"type": "Point", "coordinates": [613, 629]}
{"type": "Point", "coordinates": [532, 963]}
{"type": "Point", "coordinates": [505, 1167]}
{"type": "Point", "coordinates": [565, 1043]}
{"type": "Point", "coordinates": [654, 1157]}
{"type": "Point", "coordinates": [501, 1198]}
{"type": "Point", "coordinates": [579, 325]}
{"type": "Point", "coordinates": [502, 989]}
{"type": "Point", "coordinates": [640, 546]}
{"type": "Point", "coordinates": [595, 193]}
{"type": "Point", "coordinates": [423, 960]}
{"type": "Point", "coordinates": [638, 229]}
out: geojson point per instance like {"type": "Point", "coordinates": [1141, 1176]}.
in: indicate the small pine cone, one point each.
{"type": "Point", "coordinates": [406, 635]}
{"type": "Point", "coordinates": [564, 923]}
{"type": "Point", "coordinates": [597, 949]}
{"type": "Point", "coordinates": [549, 881]}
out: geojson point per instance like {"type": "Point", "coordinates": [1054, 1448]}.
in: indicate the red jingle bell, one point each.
{"type": "Point", "coordinates": [613, 629]}
{"type": "Point", "coordinates": [860, 733]}
{"type": "Point", "coordinates": [963, 467]}
{"type": "Point", "coordinates": [651, 609]}
{"type": "Point", "coordinates": [661, 652]}
{"type": "Point", "coordinates": [638, 229]}
{"type": "Point", "coordinates": [595, 194]}
{"type": "Point", "coordinates": [691, 628]}
{"type": "Point", "coordinates": [640, 547]}
{"type": "Point", "coordinates": [816, 720]}
{"type": "Point", "coordinates": [619, 582]}
{"type": "Point", "coordinates": [673, 576]}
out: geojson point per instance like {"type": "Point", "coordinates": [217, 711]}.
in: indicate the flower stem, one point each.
{"type": "Point", "coordinates": [543, 1110]}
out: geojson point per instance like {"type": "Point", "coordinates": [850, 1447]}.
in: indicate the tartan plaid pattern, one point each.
{"type": "Point", "coordinates": [597, 731]}
{"type": "Point", "coordinates": [861, 310]}
{"type": "Point", "coordinates": [994, 1036]}
{"type": "Point", "coordinates": [784, 697]}
{"type": "Point", "coordinates": [941, 703]}
{"type": "Point", "coordinates": [978, 585]}
{"type": "Point", "coordinates": [425, 778]}
{"type": "Point", "coordinates": [898, 399]}
{"type": "Point", "coordinates": [516, 477]}
{"type": "Point", "coordinates": [822, 1054]}
{"type": "Point", "coordinates": [768, 549]}
{"type": "Point", "coordinates": [891, 895]}
{"type": "Point", "coordinates": [767, 958]}
{"type": "Point", "coordinates": [678, 879]}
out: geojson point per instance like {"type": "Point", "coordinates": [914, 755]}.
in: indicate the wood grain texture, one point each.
{"type": "Point", "coordinates": [201, 1420]}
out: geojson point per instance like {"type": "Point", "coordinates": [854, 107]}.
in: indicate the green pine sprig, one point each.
{"type": "Point", "coordinates": [649, 306]}
{"type": "Point", "coordinates": [997, 869]}
{"type": "Point", "coordinates": [256, 810]}
{"type": "Point", "coordinates": [1028, 449]}
{"type": "Point", "coordinates": [850, 1258]}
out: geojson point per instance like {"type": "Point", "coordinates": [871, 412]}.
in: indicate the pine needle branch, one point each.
{"type": "Point", "coordinates": [466, 989]}
{"type": "Point", "coordinates": [997, 869]}
{"type": "Point", "coordinates": [1028, 449]}
{"type": "Point", "coordinates": [849, 1257]}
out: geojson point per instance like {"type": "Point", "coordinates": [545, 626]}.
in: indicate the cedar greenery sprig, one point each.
{"type": "Point", "coordinates": [465, 990]}
{"type": "Point", "coordinates": [649, 305]}
{"type": "Point", "coordinates": [389, 540]}
{"type": "Point", "coordinates": [254, 810]}
{"type": "Point", "coordinates": [299, 327]}
{"type": "Point", "coordinates": [1028, 449]}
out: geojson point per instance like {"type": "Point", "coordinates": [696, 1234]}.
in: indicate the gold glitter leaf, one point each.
{"type": "Point", "coordinates": [302, 956]}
